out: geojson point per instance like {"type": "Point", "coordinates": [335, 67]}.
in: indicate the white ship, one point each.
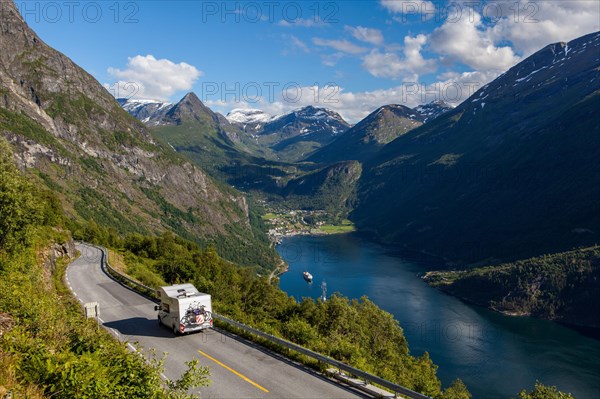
{"type": "Point", "coordinates": [308, 277]}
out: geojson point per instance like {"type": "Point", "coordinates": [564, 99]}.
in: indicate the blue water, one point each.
{"type": "Point", "coordinates": [495, 355]}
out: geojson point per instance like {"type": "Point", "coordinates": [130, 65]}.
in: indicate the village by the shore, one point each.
{"type": "Point", "coordinates": [302, 222]}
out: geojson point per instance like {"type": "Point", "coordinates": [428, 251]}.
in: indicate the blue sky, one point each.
{"type": "Point", "coordinates": [351, 56]}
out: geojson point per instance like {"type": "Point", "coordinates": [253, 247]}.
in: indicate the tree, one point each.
{"type": "Point", "coordinates": [457, 390]}
{"type": "Point", "coordinates": [542, 391]}
{"type": "Point", "coordinates": [19, 210]}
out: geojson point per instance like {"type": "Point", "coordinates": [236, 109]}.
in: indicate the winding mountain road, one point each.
{"type": "Point", "coordinates": [238, 368]}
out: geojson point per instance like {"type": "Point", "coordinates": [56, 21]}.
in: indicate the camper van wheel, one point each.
{"type": "Point", "coordinates": [175, 329]}
{"type": "Point", "coordinates": [159, 321]}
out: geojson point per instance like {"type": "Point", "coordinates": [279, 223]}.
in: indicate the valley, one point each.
{"type": "Point", "coordinates": [500, 189]}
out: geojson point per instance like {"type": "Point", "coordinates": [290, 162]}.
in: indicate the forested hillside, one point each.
{"type": "Point", "coordinates": [562, 287]}
{"type": "Point", "coordinates": [47, 348]}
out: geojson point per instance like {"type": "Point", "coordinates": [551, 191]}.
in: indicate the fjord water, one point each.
{"type": "Point", "coordinates": [495, 355]}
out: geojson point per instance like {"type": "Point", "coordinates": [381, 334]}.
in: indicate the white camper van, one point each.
{"type": "Point", "coordinates": [184, 309]}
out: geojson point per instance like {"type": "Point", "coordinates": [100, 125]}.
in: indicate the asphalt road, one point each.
{"type": "Point", "coordinates": [238, 368]}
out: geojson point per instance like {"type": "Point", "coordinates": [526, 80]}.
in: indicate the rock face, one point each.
{"type": "Point", "coordinates": [105, 166]}
{"type": "Point", "coordinates": [510, 173]}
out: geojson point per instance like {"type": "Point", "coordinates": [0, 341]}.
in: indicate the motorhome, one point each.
{"type": "Point", "coordinates": [184, 309]}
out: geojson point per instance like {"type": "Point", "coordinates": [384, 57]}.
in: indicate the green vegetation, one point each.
{"type": "Point", "coordinates": [299, 222]}
{"type": "Point", "coordinates": [331, 189]}
{"type": "Point", "coordinates": [560, 287]}
{"type": "Point", "coordinates": [353, 331]}
{"type": "Point", "coordinates": [345, 227]}
{"type": "Point", "coordinates": [544, 392]}
{"type": "Point", "coordinates": [28, 128]}
{"type": "Point", "coordinates": [47, 348]}
{"type": "Point", "coordinates": [269, 216]}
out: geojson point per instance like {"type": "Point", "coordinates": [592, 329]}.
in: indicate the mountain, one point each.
{"type": "Point", "coordinates": [71, 135]}
{"type": "Point", "coordinates": [382, 126]}
{"type": "Point", "coordinates": [369, 135]}
{"type": "Point", "coordinates": [510, 173]}
{"type": "Point", "coordinates": [149, 112]}
{"type": "Point", "coordinates": [208, 139]}
{"type": "Point", "coordinates": [293, 135]}
{"type": "Point", "coordinates": [236, 157]}
{"type": "Point", "coordinates": [432, 110]}
{"type": "Point", "coordinates": [249, 120]}
{"type": "Point", "coordinates": [331, 189]}
{"type": "Point", "coordinates": [286, 138]}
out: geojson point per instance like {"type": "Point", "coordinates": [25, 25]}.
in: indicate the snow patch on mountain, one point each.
{"type": "Point", "coordinates": [249, 116]}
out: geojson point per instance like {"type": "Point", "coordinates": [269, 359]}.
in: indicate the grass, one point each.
{"type": "Point", "coordinates": [345, 227]}
{"type": "Point", "coordinates": [269, 216]}
{"type": "Point", "coordinates": [135, 268]}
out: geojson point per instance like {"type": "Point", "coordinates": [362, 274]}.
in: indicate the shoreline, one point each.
{"type": "Point", "coordinates": [283, 267]}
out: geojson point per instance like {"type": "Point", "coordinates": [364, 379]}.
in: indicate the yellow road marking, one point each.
{"type": "Point", "coordinates": [243, 377]}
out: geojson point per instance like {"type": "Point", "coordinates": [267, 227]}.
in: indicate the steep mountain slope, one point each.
{"type": "Point", "coordinates": [511, 172]}
{"type": "Point", "coordinates": [331, 189]}
{"type": "Point", "coordinates": [70, 132]}
{"type": "Point", "coordinates": [369, 135]}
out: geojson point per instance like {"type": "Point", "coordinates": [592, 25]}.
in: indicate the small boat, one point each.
{"type": "Point", "coordinates": [307, 276]}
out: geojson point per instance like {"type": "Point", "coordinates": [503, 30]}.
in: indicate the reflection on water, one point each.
{"type": "Point", "coordinates": [496, 356]}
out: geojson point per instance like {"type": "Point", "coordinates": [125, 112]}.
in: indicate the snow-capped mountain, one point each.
{"type": "Point", "coordinates": [432, 110]}
{"type": "Point", "coordinates": [149, 112]}
{"type": "Point", "coordinates": [306, 121]}
{"type": "Point", "coordinates": [303, 121]}
{"type": "Point", "coordinates": [291, 135]}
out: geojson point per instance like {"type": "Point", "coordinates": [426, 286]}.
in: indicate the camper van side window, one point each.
{"type": "Point", "coordinates": [165, 307]}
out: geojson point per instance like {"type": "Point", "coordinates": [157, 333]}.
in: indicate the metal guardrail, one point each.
{"type": "Point", "coordinates": [367, 377]}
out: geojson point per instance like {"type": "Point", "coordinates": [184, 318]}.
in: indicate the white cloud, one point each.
{"type": "Point", "coordinates": [487, 45]}
{"type": "Point", "coordinates": [344, 46]}
{"type": "Point", "coordinates": [367, 35]}
{"type": "Point", "coordinates": [469, 42]}
{"type": "Point", "coordinates": [153, 78]}
{"type": "Point", "coordinates": [390, 65]}
{"type": "Point", "coordinates": [452, 88]}
{"type": "Point", "coordinates": [297, 43]}
{"type": "Point", "coordinates": [331, 60]}
{"type": "Point", "coordinates": [538, 24]}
